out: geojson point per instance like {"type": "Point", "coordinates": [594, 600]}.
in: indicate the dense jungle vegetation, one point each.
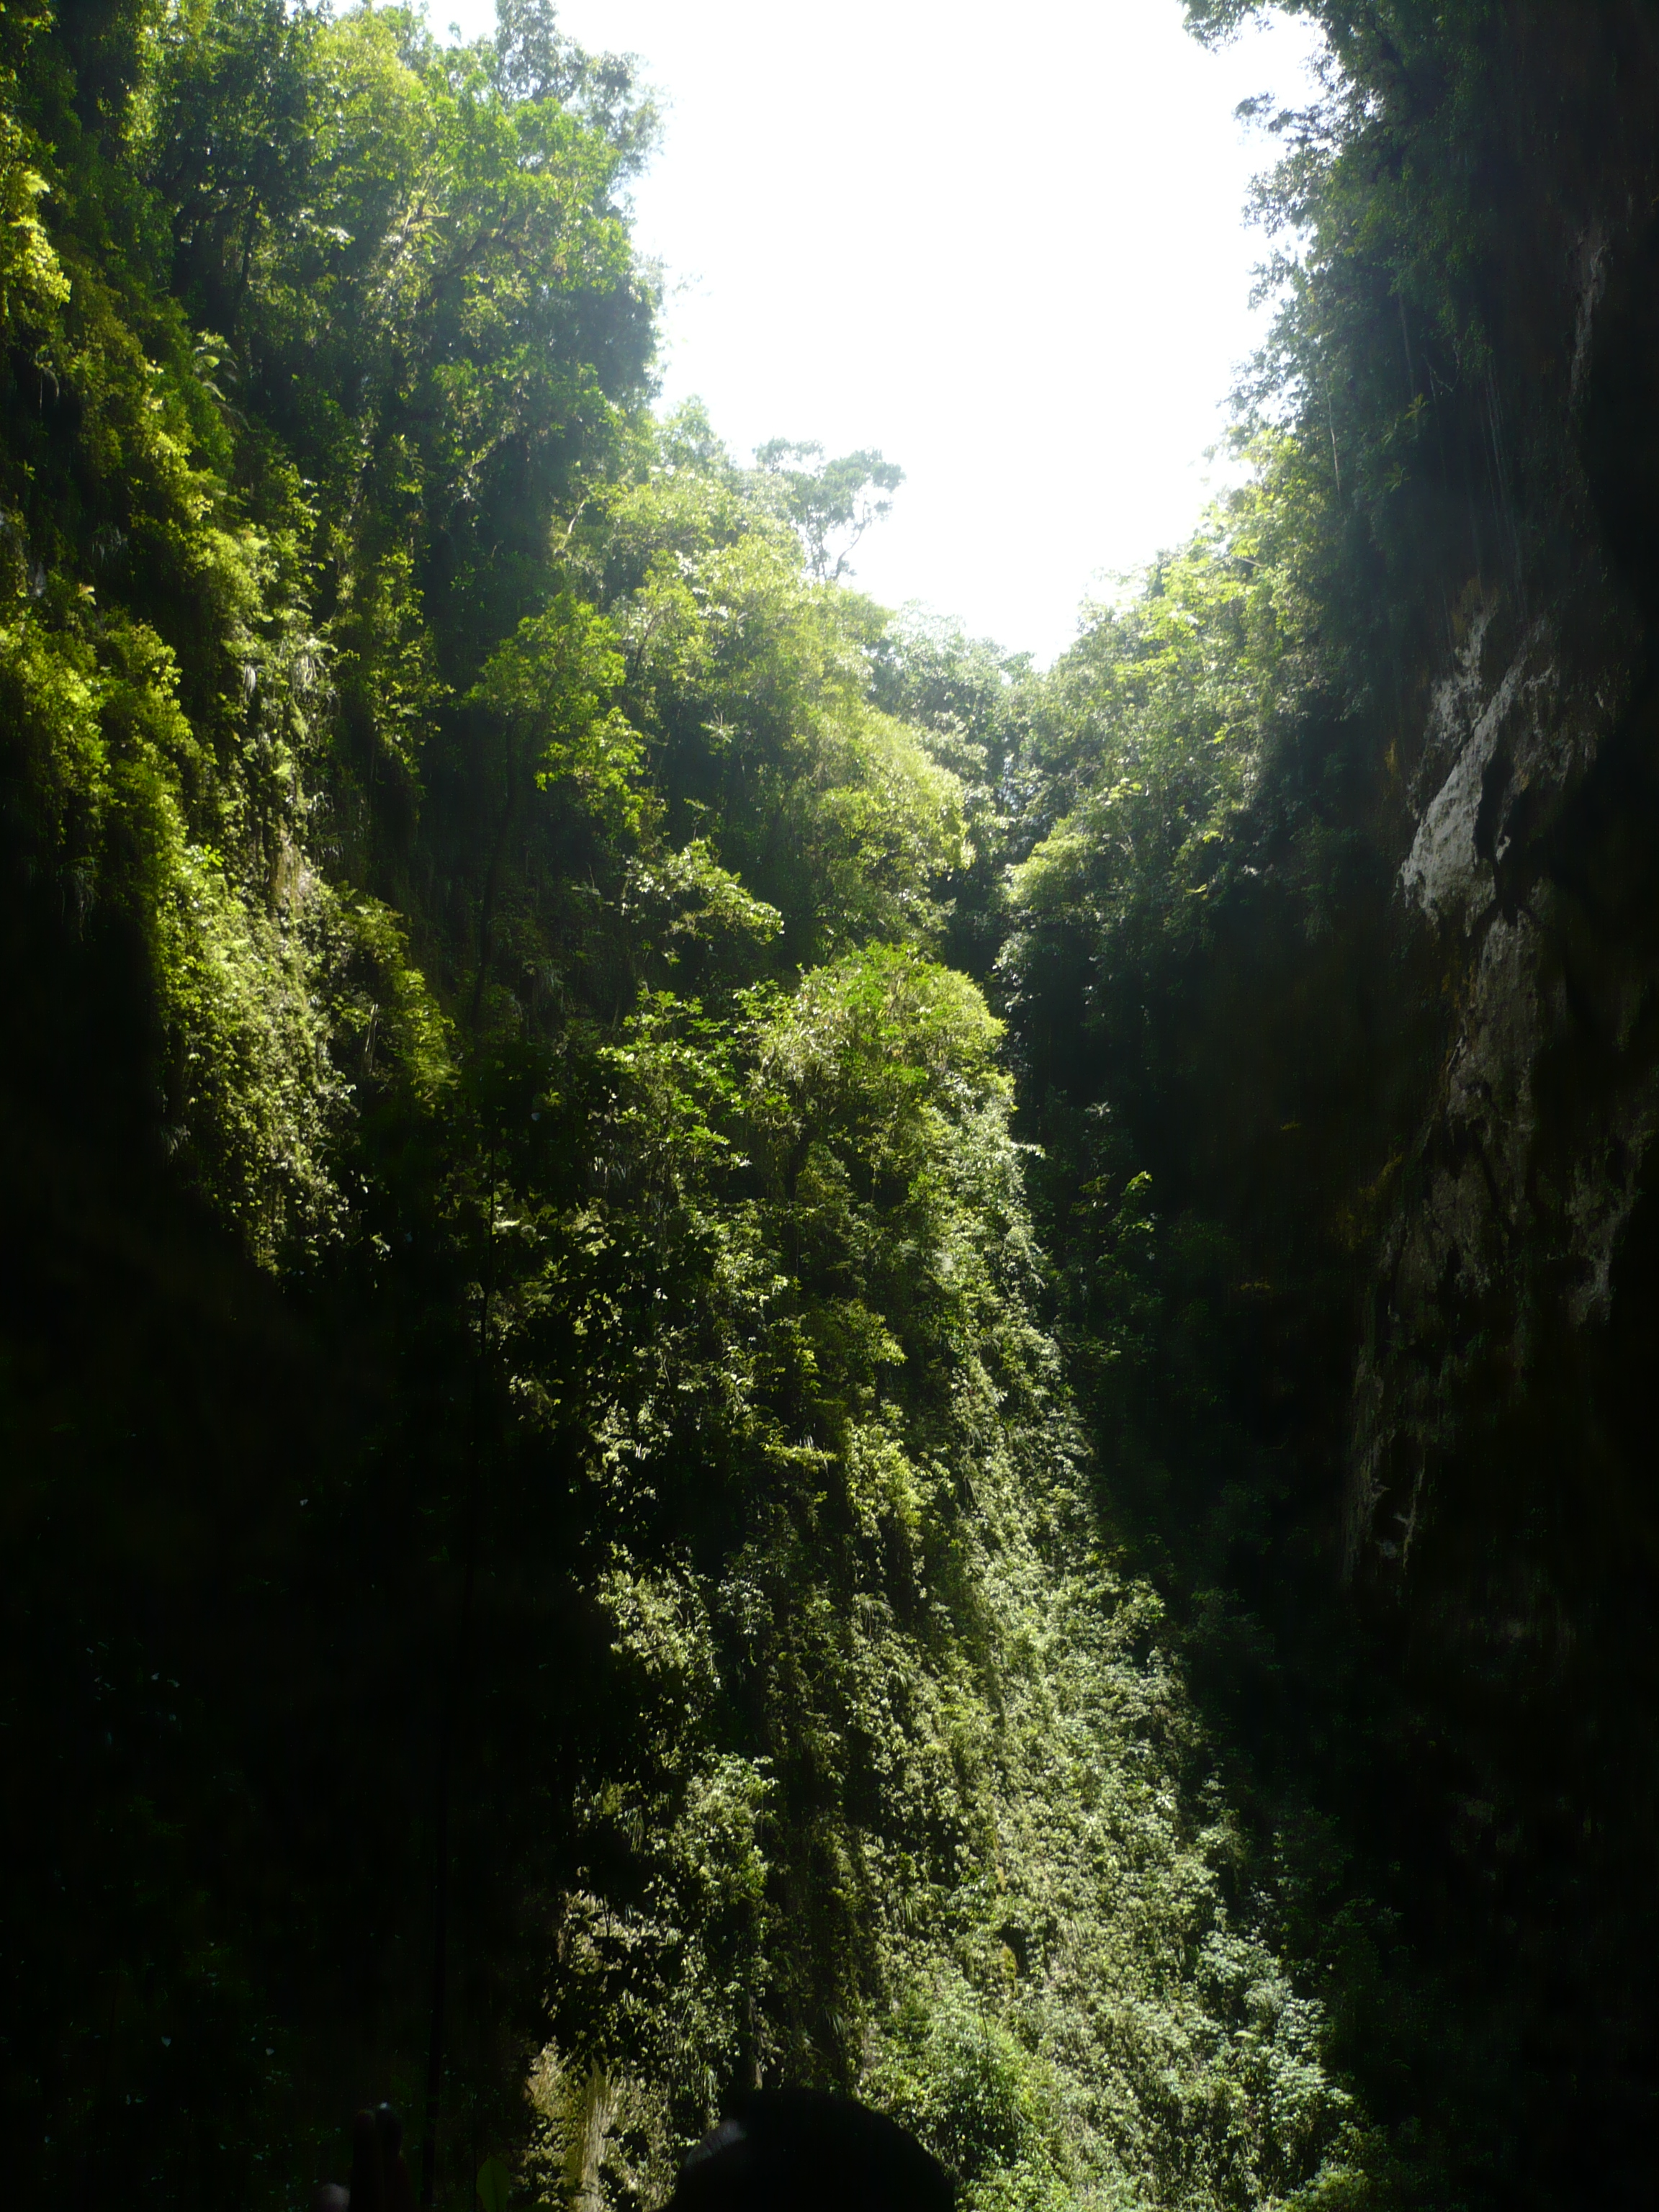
{"type": "Point", "coordinates": [683, 1259]}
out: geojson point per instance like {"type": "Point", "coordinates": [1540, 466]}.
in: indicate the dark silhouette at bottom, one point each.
{"type": "Point", "coordinates": [803, 2150]}
{"type": "Point", "coordinates": [776, 2151]}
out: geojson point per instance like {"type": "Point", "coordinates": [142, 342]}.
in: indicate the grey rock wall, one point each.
{"type": "Point", "coordinates": [1509, 1216]}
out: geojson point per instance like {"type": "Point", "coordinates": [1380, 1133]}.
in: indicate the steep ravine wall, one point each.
{"type": "Point", "coordinates": [1530, 809]}
{"type": "Point", "coordinates": [1501, 1524]}
{"type": "Point", "coordinates": [1385, 1423]}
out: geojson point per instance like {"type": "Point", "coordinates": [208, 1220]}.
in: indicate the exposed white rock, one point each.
{"type": "Point", "coordinates": [1445, 872]}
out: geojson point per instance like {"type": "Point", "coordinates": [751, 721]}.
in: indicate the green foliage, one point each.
{"type": "Point", "coordinates": [540, 1335]}
{"type": "Point", "coordinates": [966, 1758]}
{"type": "Point", "coordinates": [830, 498]}
{"type": "Point", "coordinates": [1151, 734]}
{"type": "Point", "coordinates": [548, 685]}
{"type": "Point", "coordinates": [1232, 1039]}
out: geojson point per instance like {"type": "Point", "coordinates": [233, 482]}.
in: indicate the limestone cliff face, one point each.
{"type": "Point", "coordinates": [1510, 1215]}
{"type": "Point", "coordinates": [1531, 811]}
{"type": "Point", "coordinates": [1500, 1527]}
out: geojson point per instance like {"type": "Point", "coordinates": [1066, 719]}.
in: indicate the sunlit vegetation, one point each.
{"type": "Point", "coordinates": [660, 1249]}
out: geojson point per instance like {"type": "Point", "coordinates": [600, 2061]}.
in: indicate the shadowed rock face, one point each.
{"type": "Point", "coordinates": [1530, 806]}
{"type": "Point", "coordinates": [1488, 1233]}
{"type": "Point", "coordinates": [1501, 1522]}
{"type": "Point", "coordinates": [1533, 809]}
{"type": "Point", "coordinates": [1500, 1506]}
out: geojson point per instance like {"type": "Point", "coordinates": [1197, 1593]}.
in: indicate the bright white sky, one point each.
{"type": "Point", "coordinates": [1004, 245]}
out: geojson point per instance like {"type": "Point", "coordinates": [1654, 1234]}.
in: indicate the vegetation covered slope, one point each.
{"type": "Point", "coordinates": [546, 1539]}
{"type": "Point", "coordinates": [1332, 959]}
